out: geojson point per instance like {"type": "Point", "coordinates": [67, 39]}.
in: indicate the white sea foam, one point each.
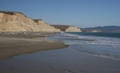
{"type": "Point", "coordinates": [79, 39]}
{"type": "Point", "coordinates": [103, 47]}
{"type": "Point", "coordinates": [97, 55]}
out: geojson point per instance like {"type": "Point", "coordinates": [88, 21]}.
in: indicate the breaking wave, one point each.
{"type": "Point", "coordinates": [105, 47]}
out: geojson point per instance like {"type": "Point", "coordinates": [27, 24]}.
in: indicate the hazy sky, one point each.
{"type": "Point", "coordinates": [82, 13]}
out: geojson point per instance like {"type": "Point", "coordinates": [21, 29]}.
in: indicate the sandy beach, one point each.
{"type": "Point", "coordinates": [39, 55]}
{"type": "Point", "coordinates": [12, 46]}
{"type": "Point", "coordinates": [58, 61]}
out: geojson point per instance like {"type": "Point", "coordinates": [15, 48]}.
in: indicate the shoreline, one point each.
{"type": "Point", "coordinates": [41, 55]}
{"type": "Point", "coordinates": [59, 61]}
{"type": "Point", "coordinates": [12, 46]}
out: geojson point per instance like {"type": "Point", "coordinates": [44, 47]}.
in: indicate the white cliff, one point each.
{"type": "Point", "coordinates": [17, 22]}
{"type": "Point", "coordinates": [73, 29]}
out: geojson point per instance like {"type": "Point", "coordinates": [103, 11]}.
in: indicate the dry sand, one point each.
{"type": "Point", "coordinates": [10, 47]}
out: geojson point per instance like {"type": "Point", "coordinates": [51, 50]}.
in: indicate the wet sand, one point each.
{"type": "Point", "coordinates": [10, 47]}
{"type": "Point", "coordinates": [39, 55]}
{"type": "Point", "coordinates": [59, 61]}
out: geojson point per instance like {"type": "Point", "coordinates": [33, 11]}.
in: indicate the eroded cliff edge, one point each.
{"type": "Point", "coordinates": [18, 22]}
{"type": "Point", "coordinates": [67, 28]}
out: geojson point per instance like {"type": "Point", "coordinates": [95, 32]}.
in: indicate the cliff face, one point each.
{"type": "Point", "coordinates": [45, 27]}
{"type": "Point", "coordinates": [67, 28]}
{"type": "Point", "coordinates": [73, 29]}
{"type": "Point", "coordinates": [17, 22]}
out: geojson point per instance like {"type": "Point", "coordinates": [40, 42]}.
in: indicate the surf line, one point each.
{"type": "Point", "coordinates": [100, 56]}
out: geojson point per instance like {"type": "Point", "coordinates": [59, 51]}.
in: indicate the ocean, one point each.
{"type": "Point", "coordinates": [104, 45]}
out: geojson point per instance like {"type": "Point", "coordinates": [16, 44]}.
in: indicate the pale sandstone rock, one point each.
{"type": "Point", "coordinates": [67, 28]}
{"type": "Point", "coordinates": [17, 22]}
{"type": "Point", "coordinates": [45, 27]}
{"type": "Point", "coordinates": [72, 29]}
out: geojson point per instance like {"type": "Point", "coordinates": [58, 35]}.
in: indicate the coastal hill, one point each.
{"type": "Point", "coordinates": [18, 22]}
{"type": "Point", "coordinates": [45, 27]}
{"type": "Point", "coordinates": [67, 28]}
{"type": "Point", "coordinates": [102, 29]}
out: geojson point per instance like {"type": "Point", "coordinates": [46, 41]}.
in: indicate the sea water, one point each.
{"type": "Point", "coordinates": [104, 45]}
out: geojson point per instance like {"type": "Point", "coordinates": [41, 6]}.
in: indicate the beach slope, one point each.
{"type": "Point", "coordinates": [10, 47]}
